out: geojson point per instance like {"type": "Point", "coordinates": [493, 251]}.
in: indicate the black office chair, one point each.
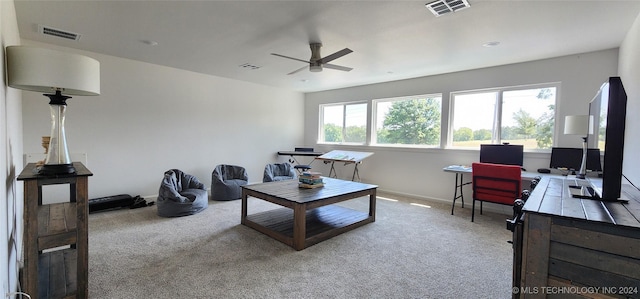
{"type": "Point", "coordinates": [302, 167]}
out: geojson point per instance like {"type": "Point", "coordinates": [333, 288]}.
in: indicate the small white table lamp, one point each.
{"type": "Point", "coordinates": [56, 73]}
{"type": "Point", "coordinates": [580, 125]}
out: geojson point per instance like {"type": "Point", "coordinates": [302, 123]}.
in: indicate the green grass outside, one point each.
{"type": "Point", "coordinates": [528, 143]}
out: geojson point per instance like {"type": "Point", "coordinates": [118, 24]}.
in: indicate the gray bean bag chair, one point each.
{"type": "Point", "coordinates": [278, 172]}
{"type": "Point", "coordinates": [226, 182]}
{"type": "Point", "coordinates": [181, 194]}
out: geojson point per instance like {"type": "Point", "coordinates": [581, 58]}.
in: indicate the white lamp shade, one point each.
{"type": "Point", "coordinates": [46, 70]}
{"type": "Point", "coordinates": [578, 124]}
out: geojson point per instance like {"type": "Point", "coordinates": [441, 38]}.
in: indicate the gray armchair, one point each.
{"type": "Point", "coordinates": [226, 182]}
{"type": "Point", "coordinates": [181, 194]}
{"type": "Point", "coordinates": [278, 172]}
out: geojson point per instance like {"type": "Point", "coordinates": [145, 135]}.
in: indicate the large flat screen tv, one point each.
{"type": "Point", "coordinates": [609, 109]}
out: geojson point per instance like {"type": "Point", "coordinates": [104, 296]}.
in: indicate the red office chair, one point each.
{"type": "Point", "coordinates": [496, 183]}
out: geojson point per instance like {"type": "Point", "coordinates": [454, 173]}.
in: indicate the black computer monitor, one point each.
{"type": "Point", "coordinates": [501, 154]}
{"type": "Point", "coordinates": [571, 158]}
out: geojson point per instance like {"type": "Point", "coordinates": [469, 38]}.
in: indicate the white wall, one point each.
{"type": "Point", "coordinates": [418, 172]}
{"type": "Point", "coordinates": [151, 118]}
{"type": "Point", "coordinates": [11, 206]}
{"type": "Point", "coordinates": [629, 70]}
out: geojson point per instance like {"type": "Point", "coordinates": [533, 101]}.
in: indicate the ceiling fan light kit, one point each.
{"type": "Point", "coordinates": [317, 63]}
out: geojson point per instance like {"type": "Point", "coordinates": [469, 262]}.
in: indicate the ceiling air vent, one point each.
{"type": "Point", "coordinates": [441, 7]}
{"type": "Point", "coordinates": [58, 33]}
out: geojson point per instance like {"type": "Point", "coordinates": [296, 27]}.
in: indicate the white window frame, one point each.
{"type": "Point", "coordinates": [374, 120]}
{"type": "Point", "coordinates": [497, 121]}
{"type": "Point", "coordinates": [321, 137]}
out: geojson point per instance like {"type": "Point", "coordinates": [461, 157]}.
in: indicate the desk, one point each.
{"type": "Point", "coordinates": [461, 170]}
{"type": "Point", "coordinates": [346, 157]}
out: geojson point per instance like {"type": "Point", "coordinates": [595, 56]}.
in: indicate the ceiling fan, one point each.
{"type": "Point", "coordinates": [317, 62]}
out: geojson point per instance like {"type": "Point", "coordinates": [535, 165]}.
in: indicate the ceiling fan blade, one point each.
{"type": "Point", "coordinates": [305, 61]}
{"type": "Point", "coordinates": [298, 70]}
{"type": "Point", "coordinates": [337, 67]}
{"type": "Point", "coordinates": [335, 55]}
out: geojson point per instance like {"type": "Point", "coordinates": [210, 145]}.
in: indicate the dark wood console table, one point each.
{"type": "Point", "coordinates": [56, 236]}
{"type": "Point", "coordinates": [572, 246]}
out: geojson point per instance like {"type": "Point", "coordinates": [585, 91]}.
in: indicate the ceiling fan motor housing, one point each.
{"type": "Point", "coordinates": [315, 68]}
{"type": "Point", "coordinates": [314, 64]}
{"type": "Point", "coordinates": [315, 52]}
{"type": "Point", "coordinates": [317, 63]}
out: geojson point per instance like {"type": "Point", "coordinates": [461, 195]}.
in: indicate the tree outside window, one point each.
{"type": "Point", "coordinates": [413, 121]}
{"type": "Point", "coordinates": [523, 116]}
{"type": "Point", "coordinates": [344, 123]}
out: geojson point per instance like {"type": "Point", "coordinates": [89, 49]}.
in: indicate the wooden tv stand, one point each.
{"type": "Point", "coordinates": [570, 245]}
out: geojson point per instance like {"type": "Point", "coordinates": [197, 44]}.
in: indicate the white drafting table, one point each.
{"type": "Point", "coordinates": [346, 157]}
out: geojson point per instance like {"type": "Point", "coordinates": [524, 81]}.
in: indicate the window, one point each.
{"type": "Point", "coordinates": [518, 116]}
{"type": "Point", "coordinates": [343, 123]}
{"type": "Point", "coordinates": [407, 121]}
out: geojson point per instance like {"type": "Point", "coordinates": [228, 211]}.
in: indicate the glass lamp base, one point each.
{"type": "Point", "coordinates": [582, 174]}
{"type": "Point", "coordinates": [52, 169]}
{"type": "Point", "coordinates": [58, 160]}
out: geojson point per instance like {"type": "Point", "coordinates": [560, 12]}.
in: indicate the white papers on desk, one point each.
{"type": "Point", "coordinates": [458, 168]}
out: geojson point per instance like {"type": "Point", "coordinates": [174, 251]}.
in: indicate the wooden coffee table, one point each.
{"type": "Point", "coordinates": [308, 216]}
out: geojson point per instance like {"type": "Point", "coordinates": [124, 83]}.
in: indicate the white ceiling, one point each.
{"type": "Point", "coordinates": [391, 40]}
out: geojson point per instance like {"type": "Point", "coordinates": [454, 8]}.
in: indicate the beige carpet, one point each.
{"type": "Point", "coordinates": [411, 251]}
